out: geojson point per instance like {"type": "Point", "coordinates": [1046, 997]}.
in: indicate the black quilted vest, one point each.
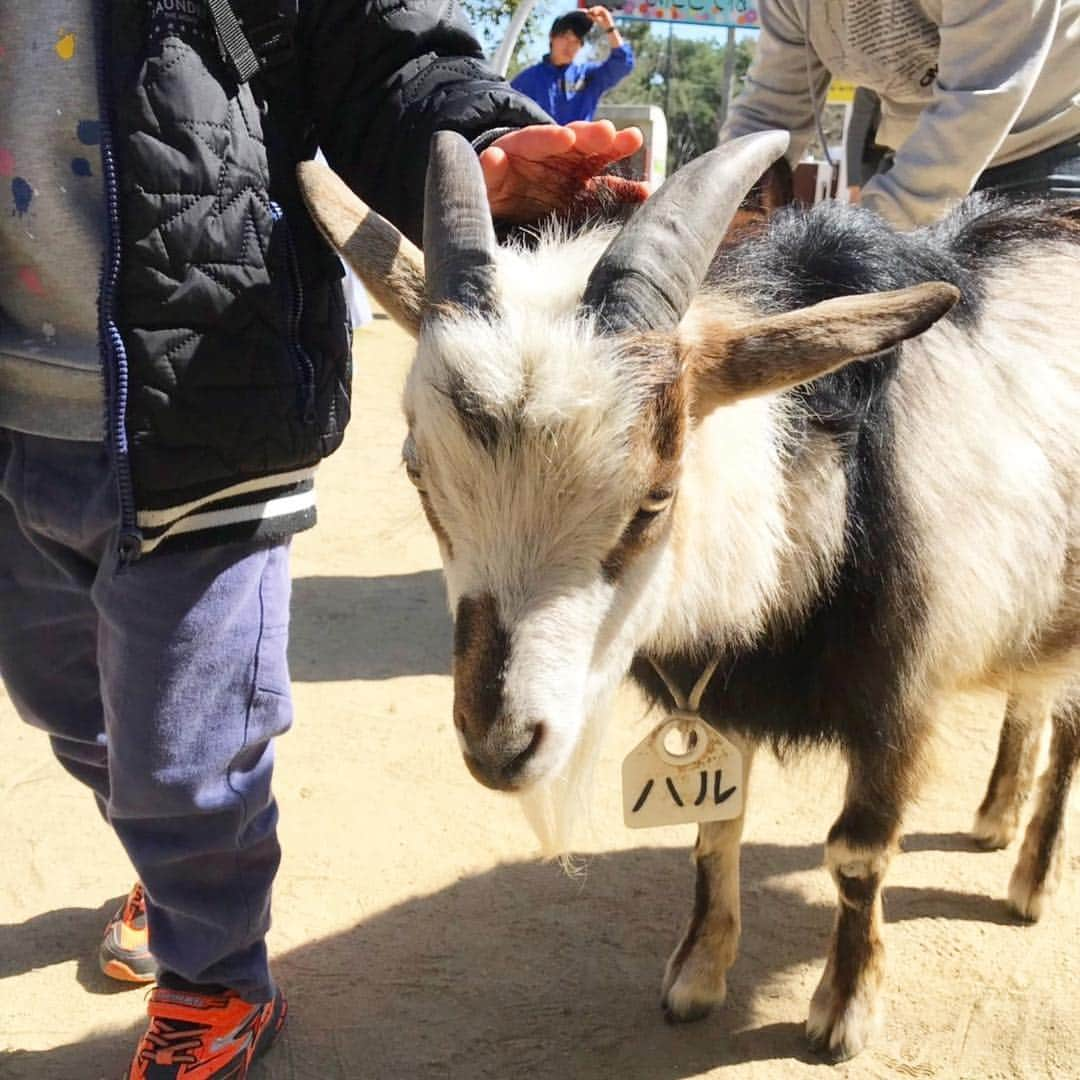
{"type": "Point", "coordinates": [225, 342]}
{"type": "Point", "coordinates": [234, 331]}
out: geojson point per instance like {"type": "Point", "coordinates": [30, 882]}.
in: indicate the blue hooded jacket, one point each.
{"type": "Point", "coordinates": [573, 92]}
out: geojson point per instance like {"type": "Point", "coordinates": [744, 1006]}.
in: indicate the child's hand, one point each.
{"type": "Point", "coordinates": [537, 169]}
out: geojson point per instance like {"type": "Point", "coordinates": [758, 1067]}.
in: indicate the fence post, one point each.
{"type": "Point", "coordinates": [501, 60]}
{"type": "Point", "coordinates": [729, 77]}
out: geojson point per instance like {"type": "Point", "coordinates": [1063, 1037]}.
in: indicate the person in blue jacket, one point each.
{"type": "Point", "coordinates": [567, 91]}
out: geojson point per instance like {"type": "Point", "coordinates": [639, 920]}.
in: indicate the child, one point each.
{"type": "Point", "coordinates": [158, 443]}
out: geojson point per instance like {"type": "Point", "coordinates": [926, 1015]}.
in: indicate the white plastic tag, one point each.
{"type": "Point", "coordinates": [683, 772]}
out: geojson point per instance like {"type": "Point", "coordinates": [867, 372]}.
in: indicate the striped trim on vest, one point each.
{"type": "Point", "coordinates": [269, 506]}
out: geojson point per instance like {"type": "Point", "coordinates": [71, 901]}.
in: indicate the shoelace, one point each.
{"type": "Point", "coordinates": [166, 1045]}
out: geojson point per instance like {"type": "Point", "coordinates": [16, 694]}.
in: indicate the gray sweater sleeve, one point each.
{"type": "Point", "coordinates": [990, 56]}
{"type": "Point", "coordinates": [784, 84]}
{"type": "Point", "coordinates": [992, 51]}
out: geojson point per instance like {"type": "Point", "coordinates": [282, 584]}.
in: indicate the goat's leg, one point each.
{"type": "Point", "coordinates": [1042, 854]}
{"type": "Point", "coordinates": [1013, 776]}
{"type": "Point", "coordinates": [696, 975]}
{"type": "Point", "coordinates": [844, 1011]}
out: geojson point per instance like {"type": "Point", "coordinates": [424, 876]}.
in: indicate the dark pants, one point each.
{"type": "Point", "coordinates": [161, 687]}
{"type": "Point", "coordinates": [1050, 174]}
{"type": "Point", "coordinates": [1053, 173]}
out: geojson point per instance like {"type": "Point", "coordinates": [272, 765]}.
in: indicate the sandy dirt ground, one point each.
{"type": "Point", "coordinates": [419, 938]}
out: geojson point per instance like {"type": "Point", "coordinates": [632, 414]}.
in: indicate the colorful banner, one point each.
{"type": "Point", "coordinates": [738, 13]}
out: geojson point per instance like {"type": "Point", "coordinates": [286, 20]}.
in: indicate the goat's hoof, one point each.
{"type": "Point", "coordinates": [839, 1030]}
{"type": "Point", "coordinates": [691, 994]}
{"type": "Point", "coordinates": [994, 831]}
{"type": "Point", "coordinates": [1029, 897]}
{"type": "Point", "coordinates": [683, 1004]}
{"type": "Point", "coordinates": [685, 1012]}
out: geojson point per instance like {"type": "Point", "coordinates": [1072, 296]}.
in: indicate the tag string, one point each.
{"type": "Point", "coordinates": [691, 704]}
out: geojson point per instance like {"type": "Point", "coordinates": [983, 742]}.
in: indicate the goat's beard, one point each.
{"type": "Point", "coordinates": [560, 804]}
{"type": "Point", "coordinates": [556, 806]}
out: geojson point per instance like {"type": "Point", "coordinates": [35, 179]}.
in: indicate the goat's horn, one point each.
{"type": "Point", "coordinates": [650, 272]}
{"type": "Point", "coordinates": [389, 264]}
{"type": "Point", "coordinates": [459, 237]}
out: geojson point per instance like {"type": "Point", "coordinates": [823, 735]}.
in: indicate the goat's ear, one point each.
{"type": "Point", "coordinates": [780, 351]}
{"type": "Point", "coordinates": [389, 264]}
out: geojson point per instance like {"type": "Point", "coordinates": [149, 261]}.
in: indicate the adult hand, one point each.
{"type": "Point", "coordinates": [534, 170]}
{"type": "Point", "coordinates": [602, 17]}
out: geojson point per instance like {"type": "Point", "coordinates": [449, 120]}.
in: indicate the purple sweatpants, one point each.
{"type": "Point", "coordinates": [161, 687]}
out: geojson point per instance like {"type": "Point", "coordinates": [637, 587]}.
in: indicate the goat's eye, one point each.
{"type": "Point", "coordinates": [413, 473]}
{"type": "Point", "coordinates": [410, 458]}
{"type": "Point", "coordinates": [655, 503]}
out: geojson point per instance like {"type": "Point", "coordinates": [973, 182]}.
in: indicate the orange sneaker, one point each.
{"type": "Point", "coordinates": [194, 1036]}
{"type": "Point", "coordinates": [125, 952]}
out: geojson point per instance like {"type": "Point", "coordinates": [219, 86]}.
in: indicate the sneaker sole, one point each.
{"type": "Point", "coordinates": [273, 1029]}
{"type": "Point", "coordinates": [122, 970]}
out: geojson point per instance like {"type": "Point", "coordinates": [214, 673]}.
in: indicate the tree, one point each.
{"type": "Point", "coordinates": [685, 77]}
{"type": "Point", "coordinates": [490, 19]}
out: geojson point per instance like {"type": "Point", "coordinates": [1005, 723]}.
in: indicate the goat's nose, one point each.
{"type": "Point", "coordinates": [499, 758]}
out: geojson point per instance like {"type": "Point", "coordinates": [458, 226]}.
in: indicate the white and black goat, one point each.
{"type": "Point", "coordinates": [797, 461]}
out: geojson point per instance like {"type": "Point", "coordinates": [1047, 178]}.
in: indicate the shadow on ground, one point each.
{"type": "Point", "coordinates": [334, 636]}
{"type": "Point", "coordinates": [955, 841]}
{"type": "Point", "coordinates": [522, 971]}
{"type": "Point", "coordinates": [56, 937]}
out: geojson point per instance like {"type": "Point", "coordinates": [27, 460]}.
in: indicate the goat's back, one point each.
{"type": "Point", "coordinates": [961, 449]}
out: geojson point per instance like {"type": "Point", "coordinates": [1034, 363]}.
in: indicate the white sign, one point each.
{"type": "Point", "coordinates": [682, 773]}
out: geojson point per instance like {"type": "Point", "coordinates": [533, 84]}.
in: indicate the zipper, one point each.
{"type": "Point", "coordinates": [113, 354]}
{"type": "Point", "coordinates": [295, 314]}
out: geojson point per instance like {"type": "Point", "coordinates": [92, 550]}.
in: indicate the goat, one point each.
{"type": "Point", "coordinates": [839, 461]}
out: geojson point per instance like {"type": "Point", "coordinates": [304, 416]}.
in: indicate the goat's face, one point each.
{"type": "Point", "coordinates": [547, 459]}
{"type": "Point", "coordinates": [548, 408]}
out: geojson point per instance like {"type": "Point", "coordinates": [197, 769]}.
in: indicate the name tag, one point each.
{"type": "Point", "coordinates": [682, 773]}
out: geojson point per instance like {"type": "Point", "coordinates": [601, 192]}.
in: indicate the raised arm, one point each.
{"type": "Point", "coordinates": [620, 61]}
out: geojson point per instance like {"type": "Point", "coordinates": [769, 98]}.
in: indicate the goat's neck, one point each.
{"type": "Point", "coordinates": [752, 535]}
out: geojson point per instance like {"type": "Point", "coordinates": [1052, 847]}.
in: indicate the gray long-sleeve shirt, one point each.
{"type": "Point", "coordinates": [964, 85]}
{"type": "Point", "coordinates": [52, 221]}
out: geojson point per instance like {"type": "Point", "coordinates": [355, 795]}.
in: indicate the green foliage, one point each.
{"type": "Point", "coordinates": [490, 18]}
{"type": "Point", "coordinates": [685, 77]}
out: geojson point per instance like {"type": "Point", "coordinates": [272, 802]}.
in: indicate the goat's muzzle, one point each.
{"type": "Point", "coordinates": [500, 759]}
{"type": "Point", "coordinates": [497, 746]}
